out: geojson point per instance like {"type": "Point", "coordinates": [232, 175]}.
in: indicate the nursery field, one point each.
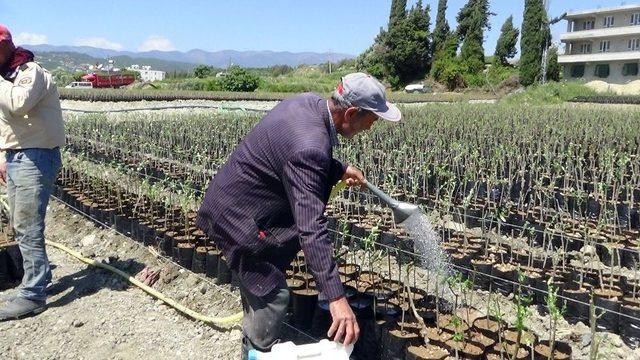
{"type": "Point", "coordinates": [536, 207]}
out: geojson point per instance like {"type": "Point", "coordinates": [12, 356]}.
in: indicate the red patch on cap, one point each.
{"type": "Point", "coordinates": [340, 89]}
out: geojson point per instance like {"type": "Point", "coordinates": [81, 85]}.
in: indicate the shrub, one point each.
{"type": "Point", "coordinates": [448, 71]}
{"type": "Point", "coordinates": [549, 93]}
{"type": "Point", "coordinates": [239, 79]}
{"type": "Point", "coordinates": [279, 70]}
{"type": "Point", "coordinates": [202, 71]}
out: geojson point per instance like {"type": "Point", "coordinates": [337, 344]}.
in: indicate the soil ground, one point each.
{"type": "Point", "coordinates": [93, 314]}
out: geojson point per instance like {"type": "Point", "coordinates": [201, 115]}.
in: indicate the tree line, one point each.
{"type": "Point", "coordinates": [407, 50]}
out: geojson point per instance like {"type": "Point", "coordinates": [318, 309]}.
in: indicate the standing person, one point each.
{"type": "Point", "coordinates": [31, 134]}
{"type": "Point", "coordinates": [268, 201]}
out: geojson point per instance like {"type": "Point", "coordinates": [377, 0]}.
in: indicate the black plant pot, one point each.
{"type": "Point", "coordinates": [610, 319]}
{"type": "Point", "coordinates": [577, 310]}
{"type": "Point", "coordinates": [630, 257]}
{"type": "Point", "coordinates": [224, 273]}
{"type": "Point", "coordinates": [321, 319]}
{"type": "Point", "coordinates": [148, 235]}
{"type": "Point", "coordinates": [362, 306]}
{"type": "Point", "coordinates": [123, 224]}
{"type": "Point", "coordinates": [199, 260]}
{"type": "Point", "coordinates": [483, 271]}
{"type": "Point", "coordinates": [504, 285]}
{"type": "Point", "coordinates": [304, 305]}
{"type": "Point", "coordinates": [211, 263]}
{"type": "Point", "coordinates": [629, 323]}
{"type": "Point", "coordinates": [562, 350]}
{"type": "Point", "coordinates": [395, 341]}
{"type": "Point", "coordinates": [185, 253]}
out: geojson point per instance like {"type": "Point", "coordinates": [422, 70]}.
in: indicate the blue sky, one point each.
{"type": "Point", "coordinates": [280, 25]}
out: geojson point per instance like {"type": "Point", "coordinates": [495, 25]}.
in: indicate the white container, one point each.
{"type": "Point", "coordinates": [323, 350]}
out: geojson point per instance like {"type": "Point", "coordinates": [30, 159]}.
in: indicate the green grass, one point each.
{"type": "Point", "coordinates": [303, 79]}
{"type": "Point", "coordinates": [549, 93]}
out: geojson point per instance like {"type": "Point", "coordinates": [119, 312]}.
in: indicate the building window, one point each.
{"type": "Point", "coordinates": [608, 21]}
{"type": "Point", "coordinates": [633, 44]}
{"type": "Point", "coordinates": [585, 48]}
{"type": "Point", "coordinates": [635, 19]}
{"type": "Point", "coordinates": [630, 69]}
{"type": "Point", "coordinates": [577, 71]}
{"type": "Point", "coordinates": [602, 71]}
{"type": "Point", "coordinates": [605, 46]}
{"type": "Point", "coordinates": [588, 25]}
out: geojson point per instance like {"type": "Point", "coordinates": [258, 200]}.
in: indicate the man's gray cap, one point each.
{"type": "Point", "coordinates": [366, 92]}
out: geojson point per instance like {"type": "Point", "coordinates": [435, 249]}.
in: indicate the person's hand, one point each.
{"type": "Point", "coordinates": [344, 322]}
{"type": "Point", "coordinates": [353, 176]}
{"type": "Point", "coordinates": [3, 173]}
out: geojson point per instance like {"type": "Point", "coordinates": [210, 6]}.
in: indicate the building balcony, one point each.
{"type": "Point", "coordinates": [600, 33]}
{"type": "Point", "coordinates": [602, 11]}
{"type": "Point", "coordinates": [599, 57]}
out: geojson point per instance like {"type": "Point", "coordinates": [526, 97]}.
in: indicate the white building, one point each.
{"type": "Point", "coordinates": [148, 75]}
{"type": "Point", "coordinates": [602, 44]}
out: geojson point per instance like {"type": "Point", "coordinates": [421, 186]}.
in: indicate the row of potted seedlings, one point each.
{"type": "Point", "coordinates": [381, 303]}
{"type": "Point", "coordinates": [495, 264]}
{"type": "Point", "coordinates": [399, 320]}
{"type": "Point", "coordinates": [144, 212]}
{"type": "Point", "coordinates": [195, 249]}
{"type": "Point", "coordinates": [547, 187]}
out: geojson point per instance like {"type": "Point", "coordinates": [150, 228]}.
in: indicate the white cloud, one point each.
{"type": "Point", "coordinates": [97, 42]}
{"type": "Point", "coordinates": [155, 42]}
{"type": "Point", "coordinates": [30, 39]}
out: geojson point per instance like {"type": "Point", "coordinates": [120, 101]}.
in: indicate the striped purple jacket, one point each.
{"type": "Point", "coordinates": [268, 200]}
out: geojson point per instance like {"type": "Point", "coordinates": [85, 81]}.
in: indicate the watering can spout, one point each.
{"type": "Point", "coordinates": [401, 210]}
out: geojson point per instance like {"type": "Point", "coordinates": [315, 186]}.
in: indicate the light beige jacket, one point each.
{"type": "Point", "coordinates": [30, 114]}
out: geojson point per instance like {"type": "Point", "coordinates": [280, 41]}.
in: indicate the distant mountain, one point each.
{"type": "Point", "coordinates": [219, 59]}
{"type": "Point", "coordinates": [73, 61]}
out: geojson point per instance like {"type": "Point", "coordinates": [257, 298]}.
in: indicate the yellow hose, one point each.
{"type": "Point", "coordinates": [337, 188]}
{"type": "Point", "coordinates": [151, 291]}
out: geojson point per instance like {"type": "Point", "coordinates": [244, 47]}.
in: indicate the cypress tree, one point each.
{"type": "Point", "coordinates": [474, 18]}
{"type": "Point", "coordinates": [407, 47]}
{"type": "Point", "coordinates": [441, 30]}
{"type": "Point", "coordinates": [506, 46]}
{"type": "Point", "coordinates": [553, 67]}
{"type": "Point", "coordinates": [446, 67]}
{"type": "Point", "coordinates": [420, 21]}
{"type": "Point", "coordinates": [398, 12]}
{"type": "Point", "coordinates": [535, 36]}
{"type": "Point", "coordinates": [467, 16]}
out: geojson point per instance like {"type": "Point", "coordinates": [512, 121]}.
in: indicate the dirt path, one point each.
{"type": "Point", "coordinates": [92, 314]}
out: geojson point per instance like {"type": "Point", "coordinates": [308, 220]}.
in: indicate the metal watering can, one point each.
{"type": "Point", "coordinates": [401, 210]}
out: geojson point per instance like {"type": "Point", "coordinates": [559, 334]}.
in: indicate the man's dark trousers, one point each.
{"type": "Point", "coordinates": [263, 317]}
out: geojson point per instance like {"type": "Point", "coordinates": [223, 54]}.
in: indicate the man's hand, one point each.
{"type": "Point", "coordinates": [353, 176]}
{"type": "Point", "coordinates": [344, 322]}
{"type": "Point", "coordinates": [3, 173]}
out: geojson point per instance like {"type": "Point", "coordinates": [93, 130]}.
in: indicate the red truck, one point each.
{"type": "Point", "coordinates": [109, 80]}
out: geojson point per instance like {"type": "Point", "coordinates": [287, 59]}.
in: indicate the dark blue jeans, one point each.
{"type": "Point", "coordinates": [30, 177]}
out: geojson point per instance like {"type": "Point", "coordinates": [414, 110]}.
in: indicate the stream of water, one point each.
{"type": "Point", "coordinates": [427, 244]}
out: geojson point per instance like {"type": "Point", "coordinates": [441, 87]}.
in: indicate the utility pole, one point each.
{"type": "Point", "coordinates": [545, 52]}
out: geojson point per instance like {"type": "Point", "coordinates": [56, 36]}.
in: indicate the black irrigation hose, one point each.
{"type": "Point", "coordinates": [170, 260]}
{"type": "Point", "coordinates": [416, 255]}
{"type": "Point", "coordinates": [165, 108]}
